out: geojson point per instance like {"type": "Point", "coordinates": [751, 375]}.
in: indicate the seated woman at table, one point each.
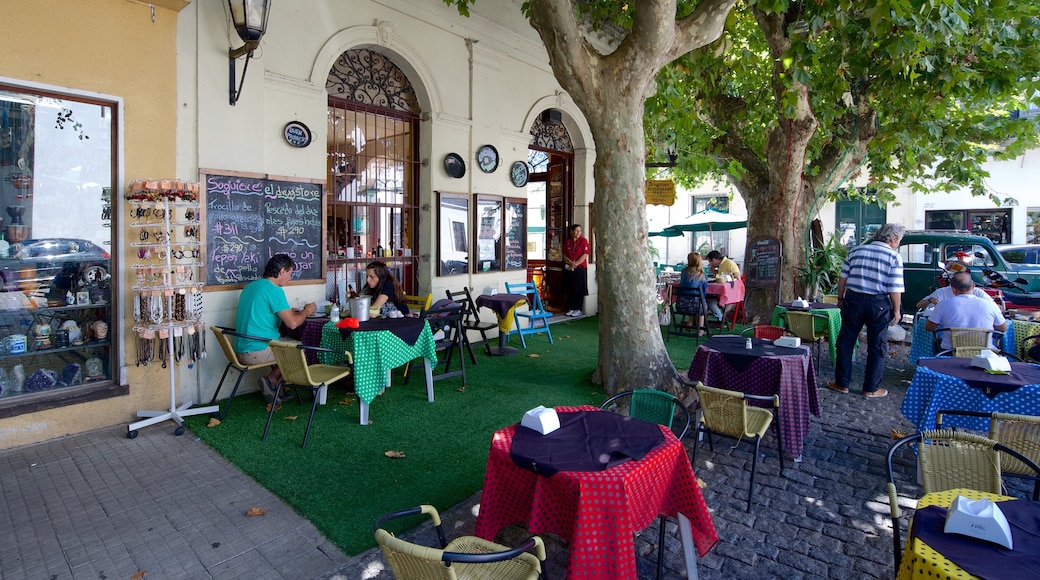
{"type": "Point", "coordinates": [385, 291]}
{"type": "Point", "coordinates": [692, 276]}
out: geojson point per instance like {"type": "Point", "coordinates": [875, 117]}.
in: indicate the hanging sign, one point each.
{"type": "Point", "coordinates": [660, 192]}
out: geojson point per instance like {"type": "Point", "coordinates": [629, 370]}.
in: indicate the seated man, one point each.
{"type": "Point", "coordinates": [947, 292]}
{"type": "Point", "coordinates": [261, 306]}
{"type": "Point", "coordinates": [719, 266]}
{"type": "Point", "coordinates": [965, 310]}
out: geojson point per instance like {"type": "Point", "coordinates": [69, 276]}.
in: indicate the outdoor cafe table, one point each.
{"type": "Point", "coordinates": [923, 342]}
{"type": "Point", "coordinates": [931, 553]}
{"type": "Point", "coordinates": [727, 292]}
{"type": "Point", "coordinates": [952, 383]}
{"type": "Point", "coordinates": [832, 326]}
{"type": "Point", "coordinates": [503, 306]}
{"type": "Point", "coordinates": [378, 346]}
{"type": "Point", "coordinates": [597, 512]}
{"type": "Point", "coordinates": [766, 369]}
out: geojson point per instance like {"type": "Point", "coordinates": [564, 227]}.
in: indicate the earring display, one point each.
{"type": "Point", "coordinates": [168, 322]}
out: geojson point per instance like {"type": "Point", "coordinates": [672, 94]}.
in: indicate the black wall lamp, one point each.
{"type": "Point", "coordinates": [250, 20]}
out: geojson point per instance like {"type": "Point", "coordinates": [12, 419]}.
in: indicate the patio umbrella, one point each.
{"type": "Point", "coordinates": [666, 233]}
{"type": "Point", "coordinates": [708, 220]}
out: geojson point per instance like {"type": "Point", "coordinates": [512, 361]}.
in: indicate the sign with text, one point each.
{"type": "Point", "coordinates": [660, 192]}
{"type": "Point", "coordinates": [250, 217]}
{"type": "Point", "coordinates": [764, 262]}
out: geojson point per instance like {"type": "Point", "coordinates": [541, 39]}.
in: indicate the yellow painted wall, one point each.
{"type": "Point", "coordinates": [113, 47]}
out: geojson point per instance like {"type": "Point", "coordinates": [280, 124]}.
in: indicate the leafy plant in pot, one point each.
{"type": "Point", "coordinates": [823, 267]}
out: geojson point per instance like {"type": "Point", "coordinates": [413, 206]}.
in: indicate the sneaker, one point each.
{"type": "Point", "coordinates": [875, 394]}
{"type": "Point", "coordinates": [835, 387]}
{"type": "Point", "coordinates": [266, 388]}
{"type": "Point", "coordinates": [576, 313]}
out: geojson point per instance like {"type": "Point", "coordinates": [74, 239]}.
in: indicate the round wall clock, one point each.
{"type": "Point", "coordinates": [487, 158]}
{"type": "Point", "coordinates": [519, 173]}
{"type": "Point", "coordinates": [454, 165]}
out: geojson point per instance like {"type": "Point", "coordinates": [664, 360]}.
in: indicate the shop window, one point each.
{"type": "Point", "coordinates": [994, 224]}
{"type": "Point", "coordinates": [1033, 225]}
{"type": "Point", "coordinates": [57, 171]}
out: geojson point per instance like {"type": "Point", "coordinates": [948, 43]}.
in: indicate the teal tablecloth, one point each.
{"type": "Point", "coordinates": [375, 353]}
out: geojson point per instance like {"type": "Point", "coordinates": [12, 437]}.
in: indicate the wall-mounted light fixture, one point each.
{"type": "Point", "coordinates": [250, 20]}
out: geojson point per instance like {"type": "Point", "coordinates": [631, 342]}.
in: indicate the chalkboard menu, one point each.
{"type": "Point", "coordinates": [763, 262]}
{"type": "Point", "coordinates": [251, 217]}
{"type": "Point", "coordinates": [516, 235]}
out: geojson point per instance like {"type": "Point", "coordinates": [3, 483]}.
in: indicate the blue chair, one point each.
{"type": "Point", "coordinates": [536, 312]}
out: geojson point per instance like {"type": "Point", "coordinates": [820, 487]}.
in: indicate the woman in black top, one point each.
{"type": "Point", "coordinates": [384, 289]}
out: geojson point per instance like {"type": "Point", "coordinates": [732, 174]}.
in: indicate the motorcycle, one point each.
{"type": "Point", "coordinates": [1015, 293]}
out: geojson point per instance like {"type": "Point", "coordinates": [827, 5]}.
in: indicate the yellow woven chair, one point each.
{"type": "Point", "coordinates": [830, 299]}
{"type": "Point", "coordinates": [297, 374]}
{"type": "Point", "coordinates": [804, 326]}
{"type": "Point", "coordinates": [727, 413]}
{"type": "Point", "coordinates": [463, 558]}
{"type": "Point", "coordinates": [950, 459]}
{"type": "Point", "coordinates": [417, 303]}
{"type": "Point", "coordinates": [966, 339]}
{"type": "Point", "coordinates": [1019, 432]}
{"type": "Point", "coordinates": [223, 339]}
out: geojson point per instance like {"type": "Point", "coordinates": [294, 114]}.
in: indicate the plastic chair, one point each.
{"type": "Point", "coordinates": [689, 305]}
{"type": "Point", "coordinates": [222, 334]}
{"type": "Point", "coordinates": [727, 413]}
{"type": "Point", "coordinates": [948, 460]}
{"type": "Point", "coordinates": [416, 303]}
{"type": "Point", "coordinates": [471, 319]}
{"type": "Point", "coordinates": [655, 407]}
{"type": "Point", "coordinates": [535, 312]}
{"type": "Point", "coordinates": [803, 325]}
{"type": "Point", "coordinates": [1019, 432]}
{"type": "Point", "coordinates": [462, 558]}
{"type": "Point", "coordinates": [447, 317]}
{"type": "Point", "coordinates": [765, 331]}
{"type": "Point", "coordinates": [297, 374]}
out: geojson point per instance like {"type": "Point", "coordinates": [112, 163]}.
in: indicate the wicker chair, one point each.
{"type": "Point", "coordinates": [222, 334]}
{"type": "Point", "coordinates": [967, 339]}
{"type": "Point", "coordinates": [830, 299]}
{"type": "Point", "coordinates": [462, 558]}
{"type": "Point", "coordinates": [948, 460]}
{"type": "Point", "coordinates": [1019, 432]}
{"type": "Point", "coordinates": [727, 413]}
{"type": "Point", "coordinates": [1031, 348]}
{"type": "Point", "coordinates": [765, 331]}
{"type": "Point", "coordinates": [804, 326]}
{"type": "Point", "coordinates": [297, 374]}
{"type": "Point", "coordinates": [655, 407]}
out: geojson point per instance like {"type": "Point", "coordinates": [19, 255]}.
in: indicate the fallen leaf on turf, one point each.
{"type": "Point", "coordinates": [138, 575]}
{"type": "Point", "coordinates": [213, 422]}
{"type": "Point", "coordinates": [461, 389]}
{"type": "Point", "coordinates": [268, 409]}
{"type": "Point", "coordinates": [701, 484]}
{"type": "Point", "coordinates": [897, 434]}
{"type": "Point", "coordinates": [395, 454]}
{"type": "Point", "coordinates": [255, 511]}
{"type": "Point", "coordinates": [290, 418]}
{"type": "Point", "coordinates": [566, 336]}
{"type": "Point", "coordinates": [347, 401]}
{"type": "Point", "coordinates": [532, 355]}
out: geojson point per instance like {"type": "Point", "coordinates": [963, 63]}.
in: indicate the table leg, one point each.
{"type": "Point", "coordinates": [429, 379]}
{"type": "Point", "coordinates": [689, 550]}
{"type": "Point", "coordinates": [364, 413]}
{"type": "Point", "coordinates": [323, 394]}
{"type": "Point", "coordinates": [502, 349]}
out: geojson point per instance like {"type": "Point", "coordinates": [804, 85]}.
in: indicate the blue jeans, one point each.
{"type": "Point", "coordinates": [857, 310]}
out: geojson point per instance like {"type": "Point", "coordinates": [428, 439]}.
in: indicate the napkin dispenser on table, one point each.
{"type": "Point", "coordinates": [788, 341]}
{"type": "Point", "coordinates": [990, 361]}
{"type": "Point", "coordinates": [542, 420]}
{"type": "Point", "coordinates": [980, 519]}
{"type": "Point", "coordinates": [800, 303]}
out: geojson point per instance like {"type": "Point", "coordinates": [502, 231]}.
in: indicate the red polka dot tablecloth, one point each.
{"type": "Point", "coordinates": [791, 377]}
{"type": "Point", "coordinates": [596, 512]}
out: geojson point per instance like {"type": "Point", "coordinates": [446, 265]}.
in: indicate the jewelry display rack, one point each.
{"type": "Point", "coordinates": [168, 276]}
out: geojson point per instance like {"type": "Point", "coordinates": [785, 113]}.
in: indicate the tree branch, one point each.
{"type": "Point", "coordinates": [570, 55]}
{"type": "Point", "coordinates": [702, 27]}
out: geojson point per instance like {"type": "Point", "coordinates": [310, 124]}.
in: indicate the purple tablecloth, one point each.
{"type": "Point", "coordinates": [500, 303]}
{"type": "Point", "coordinates": [309, 333]}
{"type": "Point", "coordinates": [792, 376]}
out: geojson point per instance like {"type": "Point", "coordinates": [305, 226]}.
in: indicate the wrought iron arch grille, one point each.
{"type": "Point", "coordinates": [367, 77]}
{"type": "Point", "coordinates": [552, 136]}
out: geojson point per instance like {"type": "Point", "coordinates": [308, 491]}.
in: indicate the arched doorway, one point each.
{"type": "Point", "coordinates": [372, 171]}
{"type": "Point", "coordinates": [550, 202]}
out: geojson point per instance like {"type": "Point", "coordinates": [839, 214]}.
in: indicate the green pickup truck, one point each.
{"type": "Point", "coordinates": [925, 251]}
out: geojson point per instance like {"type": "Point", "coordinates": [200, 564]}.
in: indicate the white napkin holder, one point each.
{"type": "Point", "coordinates": [542, 420]}
{"type": "Point", "coordinates": [980, 519]}
{"type": "Point", "coordinates": [800, 303]}
{"type": "Point", "coordinates": [788, 341]}
{"type": "Point", "coordinates": [990, 361]}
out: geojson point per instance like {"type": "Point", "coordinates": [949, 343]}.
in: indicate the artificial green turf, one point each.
{"type": "Point", "coordinates": [343, 481]}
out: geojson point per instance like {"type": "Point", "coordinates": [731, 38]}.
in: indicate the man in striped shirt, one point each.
{"type": "Point", "coordinates": [869, 292]}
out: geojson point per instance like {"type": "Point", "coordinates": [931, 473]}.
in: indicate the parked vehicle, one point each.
{"type": "Point", "coordinates": [1023, 256]}
{"type": "Point", "coordinates": [52, 266]}
{"type": "Point", "coordinates": [925, 251]}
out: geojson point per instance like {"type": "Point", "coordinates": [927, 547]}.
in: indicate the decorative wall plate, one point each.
{"type": "Point", "coordinates": [454, 165]}
{"type": "Point", "coordinates": [487, 158]}
{"type": "Point", "coordinates": [519, 173]}
{"type": "Point", "coordinates": [297, 134]}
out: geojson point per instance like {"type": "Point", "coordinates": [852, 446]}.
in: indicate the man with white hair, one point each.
{"type": "Point", "coordinates": [869, 291]}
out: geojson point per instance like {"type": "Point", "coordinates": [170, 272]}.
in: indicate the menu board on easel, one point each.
{"type": "Point", "coordinates": [764, 263]}
{"type": "Point", "coordinates": [251, 217]}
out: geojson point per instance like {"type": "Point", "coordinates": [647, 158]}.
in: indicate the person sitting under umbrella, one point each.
{"type": "Point", "coordinates": [720, 266]}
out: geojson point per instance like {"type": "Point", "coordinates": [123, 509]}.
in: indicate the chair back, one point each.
{"type": "Point", "coordinates": [765, 331]}
{"type": "Point", "coordinates": [803, 325]}
{"type": "Point", "coordinates": [470, 317]}
{"type": "Point", "coordinates": [954, 459]}
{"type": "Point", "coordinates": [830, 299]}
{"type": "Point", "coordinates": [292, 362]}
{"type": "Point", "coordinates": [408, 560]}
{"type": "Point", "coordinates": [688, 301]}
{"type": "Point", "coordinates": [225, 345]}
{"type": "Point", "coordinates": [446, 315]}
{"type": "Point", "coordinates": [652, 406]}
{"type": "Point", "coordinates": [418, 303]}
{"type": "Point", "coordinates": [1019, 432]}
{"type": "Point", "coordinates": [723, 411]}
{"type": "Point", "coordinates": [970, 337]}
{"type": "Point", "coordinates": [530, 292]}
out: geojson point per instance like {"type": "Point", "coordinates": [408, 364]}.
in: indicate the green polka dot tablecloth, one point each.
{"type": "Point", "coordinates": [832, 327]}
{"type": "Point", "coordinates": [375, 353]}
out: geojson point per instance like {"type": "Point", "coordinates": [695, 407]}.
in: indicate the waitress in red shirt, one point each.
{"type": "Point", "coordinates": [576, 276]}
